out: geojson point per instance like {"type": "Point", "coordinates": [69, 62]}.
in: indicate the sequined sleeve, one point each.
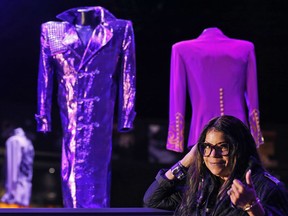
{"type": "Point", "coordinates": [127, 89]}
{"type": "Point", "coordinates": [45, 83]}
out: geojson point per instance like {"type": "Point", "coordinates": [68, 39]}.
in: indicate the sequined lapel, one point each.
{"type": "Point", "coordinates": [100, 37]}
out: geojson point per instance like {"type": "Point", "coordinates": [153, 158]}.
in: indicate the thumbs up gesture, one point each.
{"type": "Point", "coordinates": [243, 195]}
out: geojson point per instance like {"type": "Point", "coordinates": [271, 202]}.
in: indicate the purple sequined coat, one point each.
{"type": "Point", "coordinates": [89, 79]}
{"type": "Point", "coordinates": [219, 73]}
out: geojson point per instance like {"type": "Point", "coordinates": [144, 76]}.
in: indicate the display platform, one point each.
{"type": "Point", "coordinates": [82, 212]}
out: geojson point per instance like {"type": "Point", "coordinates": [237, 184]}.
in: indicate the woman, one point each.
{"type": "Point", "coordinates": [225, 177]}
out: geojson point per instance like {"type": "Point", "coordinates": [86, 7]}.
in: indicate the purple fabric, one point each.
{"type": "Point", "coordinates": [89, 80]}
{"type": "Point", "coordinates": [219, 73]}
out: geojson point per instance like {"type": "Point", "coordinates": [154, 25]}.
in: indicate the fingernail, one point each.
{"type": "Point", "coordinates": [229, 192]}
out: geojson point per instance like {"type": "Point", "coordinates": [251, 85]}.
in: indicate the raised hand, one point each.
{"type": "Point", "coordinates": [190, 157]}
{"type": "Point", "coordinates": [241, 194]}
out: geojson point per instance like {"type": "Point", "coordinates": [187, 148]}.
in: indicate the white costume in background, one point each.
{"type": "Point", "coordinates": [19, 169]}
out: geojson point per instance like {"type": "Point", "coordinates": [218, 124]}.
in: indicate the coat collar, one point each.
{"type": "Point", "coordinates": [100, 37]}
{"type": "Point", "coordinates": [212, 32]}
{"type": "Point", "coordinates": [70, 15]}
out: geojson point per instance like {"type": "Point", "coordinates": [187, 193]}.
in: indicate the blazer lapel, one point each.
{"type": "Point", "coordinates": [73, 42]}
{"type": "Point", "coordinates": [100, 37]}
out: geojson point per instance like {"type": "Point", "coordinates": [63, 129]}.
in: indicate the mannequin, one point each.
{"type": "Point", "coordinates": [85, 17]}
{"type": "Point", "coordinates": [85, 23]}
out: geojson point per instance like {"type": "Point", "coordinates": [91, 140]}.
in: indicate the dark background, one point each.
{"type": "Point", "coordinates": [157, 25]}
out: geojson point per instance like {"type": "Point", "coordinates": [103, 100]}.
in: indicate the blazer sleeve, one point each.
{"type": "Point", "coordinates": [45, 83]}
{"type": "Point", "coordinates": [252, 98]}
{"type": "Point", "coordinates": [177, 102]}
{"type": "Point", "coordinates": [127, 86]}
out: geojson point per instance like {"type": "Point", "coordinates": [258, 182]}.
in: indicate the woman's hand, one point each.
{"type": "Point", "coordinates": [244, 196]}
{"type": "Point", "coordinates": [190, 157]}
{"type": "Point", "coordinates": [186, 161]}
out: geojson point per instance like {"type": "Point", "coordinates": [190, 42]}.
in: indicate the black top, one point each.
{"type": "Point", "coordinates": [167, 194]}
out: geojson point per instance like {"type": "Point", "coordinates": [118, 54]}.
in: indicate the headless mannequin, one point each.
{"type": "Point", "coordinates": [87, 17]}
{"type": "Point", "coordinates": [85, 22]}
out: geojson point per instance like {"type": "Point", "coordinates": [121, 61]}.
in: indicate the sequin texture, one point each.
{"type": "Point", "coordinates": [89, 79]}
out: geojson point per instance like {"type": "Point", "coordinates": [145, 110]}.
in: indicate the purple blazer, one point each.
{"type": "Point", "coordinates": [219, 73]}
